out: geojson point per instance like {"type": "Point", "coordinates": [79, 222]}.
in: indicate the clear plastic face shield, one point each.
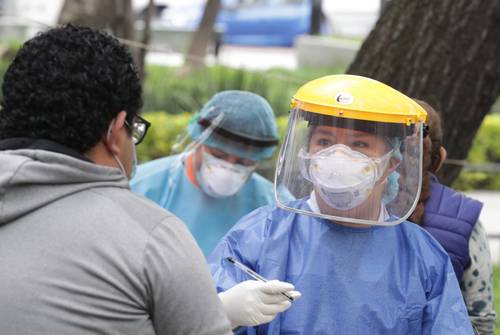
{"type": "Point", "coordinates": [220, 161]}
{"type": "Point", "coordinates": [349, 170]}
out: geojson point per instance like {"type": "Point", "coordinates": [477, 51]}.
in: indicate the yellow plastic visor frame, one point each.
{"type": "Point", "coordinates": [366, 115]}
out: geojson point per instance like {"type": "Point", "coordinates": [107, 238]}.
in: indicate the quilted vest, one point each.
{"type": "Point", "coordinates": [449, 217]}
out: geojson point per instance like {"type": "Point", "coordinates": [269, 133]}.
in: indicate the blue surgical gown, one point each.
{"type": "Point", "coordinates": [376, 280]}
{"type": "Point", "coordinates": [165, 182]}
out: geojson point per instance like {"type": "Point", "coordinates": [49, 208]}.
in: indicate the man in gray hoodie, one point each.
{"type": "Point", "coordinates": [79, 252]}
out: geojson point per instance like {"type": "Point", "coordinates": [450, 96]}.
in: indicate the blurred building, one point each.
{"type": "Point", "coordinates": [21, 19]}
{"type": "Point", "coordinates": [351, 18]}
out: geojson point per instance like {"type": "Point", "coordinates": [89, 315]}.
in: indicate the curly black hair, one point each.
{"type": "Point", "coordinates": [66, 85]}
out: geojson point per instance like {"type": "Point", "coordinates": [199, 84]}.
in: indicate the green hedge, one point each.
{"type": "Point", "coordinates": [496, 296]}
{"type": "Point", "coordinates": [166, 89]}
{"type": "Point", "coordinates": [165, 130]}
{"type": "Point", "coordinates": [485, 149]}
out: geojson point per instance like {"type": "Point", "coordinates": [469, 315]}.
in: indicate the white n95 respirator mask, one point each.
{"type": "Point", "coordinates": [344, 178]}
{"type": "Point", "coordinates": [218, 178]}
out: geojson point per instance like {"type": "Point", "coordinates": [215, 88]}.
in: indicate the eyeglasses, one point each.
{"type": "Point", "coordinates": [139, 129]}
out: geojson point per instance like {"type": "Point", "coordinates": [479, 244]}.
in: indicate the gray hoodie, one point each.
{"type": "Point", "coordinates": [81, 254]}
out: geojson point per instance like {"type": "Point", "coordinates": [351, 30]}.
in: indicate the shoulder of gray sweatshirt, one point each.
{"type": "Point", "coordinates": [81, 254]}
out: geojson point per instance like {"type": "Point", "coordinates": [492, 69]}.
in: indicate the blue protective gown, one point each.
{"type": "Point", "coordinates": [377, 280]}
{"type": "Point", "coordinates": [165, 182]}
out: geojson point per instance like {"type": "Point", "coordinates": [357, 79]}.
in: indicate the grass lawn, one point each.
{"type": "Point", "coordinates": [496, 292]}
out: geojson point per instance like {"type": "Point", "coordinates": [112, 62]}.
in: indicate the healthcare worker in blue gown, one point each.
{"type": "Point", "coordinates": [361, 268]}
{"type": "Point", "coordinates": [213, 184]}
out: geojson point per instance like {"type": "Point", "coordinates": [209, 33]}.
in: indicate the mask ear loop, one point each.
{"type": "Point", "coordinates": [395, 152]}
{"type": "Point", "coordinates": [382, 163]}
{"type": "Point", "coordinates": [115, 157]}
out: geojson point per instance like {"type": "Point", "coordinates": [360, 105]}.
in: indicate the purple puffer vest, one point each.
{"type": "Point", "coordinates": [449, 217]}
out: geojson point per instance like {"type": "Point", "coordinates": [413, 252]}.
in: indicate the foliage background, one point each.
{"type": "Point", "coordinates": [496, 296]}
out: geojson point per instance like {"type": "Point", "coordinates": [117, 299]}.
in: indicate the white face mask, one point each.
{"type": "Point", "coordinates": [219, 178]}
{"type": "Point", "coordinates": [344, 178]}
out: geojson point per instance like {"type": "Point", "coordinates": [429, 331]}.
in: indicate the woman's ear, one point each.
{"type": "Point", "coordinates": [393, 164]}
{"type": "Point", "coordinates": [443, 154]}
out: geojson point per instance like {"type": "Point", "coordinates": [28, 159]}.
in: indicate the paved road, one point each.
{"type": "Point", "coordinates": [251, 58]}
{"type": "Point", "coordinates": [490, 217]}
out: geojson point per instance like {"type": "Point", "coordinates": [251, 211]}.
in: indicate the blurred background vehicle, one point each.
{"type": "Point", "coordinates": [275, 23]}
{"type": "Point", "coordinates": [240, 22]}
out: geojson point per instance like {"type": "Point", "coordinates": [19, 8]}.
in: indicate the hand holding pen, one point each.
{"type": "Point", "coordinates": [254, 274]}
{"type": "Point", "coordinates": [255, 302]}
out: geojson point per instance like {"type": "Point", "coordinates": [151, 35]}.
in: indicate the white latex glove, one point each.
{"type": "Point", "coordinates": [251, 303]}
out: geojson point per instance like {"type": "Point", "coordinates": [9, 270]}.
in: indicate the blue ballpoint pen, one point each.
{"type": "Point", "coordinates": [253, 274]}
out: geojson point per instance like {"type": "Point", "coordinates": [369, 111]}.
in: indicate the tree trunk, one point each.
{"type": "Point", "coordinates": [100, 14]}
{"type": "Point", "coordinates": [316, 16]}
{"type": "Point", "coordinates": [444, 52]}
{"type": "Point", "coordinates": [195, 57]}
{"type": "Point", "coordinates": [145, 39]}
{"type": "Point", "coordinates": [122, 23]}
{"type": "Point", "coordinates": [384, 4]}
{"type": "Point", "coordinates": [115, 15]}
{"type": "Point", "coordinates": [92, 13]}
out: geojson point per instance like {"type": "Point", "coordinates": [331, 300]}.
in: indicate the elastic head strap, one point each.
{"type": "Point", "coordinates": [245, 139]}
